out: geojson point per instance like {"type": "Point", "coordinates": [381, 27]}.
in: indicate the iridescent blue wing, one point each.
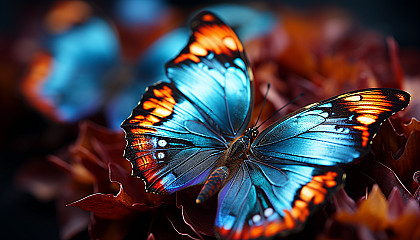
{"type": "Point", "coordinates": [72, 83]}
{"type": "Point", "coordinates": [330, 132]}
{"type": "Point", "coordinates": [169, 142]}
{"type": "Point", "coordinates": [263, 200]}
{"type": "Point", "coordinates": [180, 129]}
{"type": "Point", "coordinates": [292, 166]}
{"type": "Point", "coordinates": [212, 71]}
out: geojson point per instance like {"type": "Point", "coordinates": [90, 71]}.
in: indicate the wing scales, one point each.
{"type": "Point", "coordinates": [334, 131]}
{"type": "Point", "coordinates": [169, 141]}
{"type": "Point", "coordinates": [215, 58]}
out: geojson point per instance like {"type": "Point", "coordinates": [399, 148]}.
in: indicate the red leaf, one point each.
{"type": "Point", "coordinates": [125, 203]}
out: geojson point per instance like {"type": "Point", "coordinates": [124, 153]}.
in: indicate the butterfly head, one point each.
{"type": "Point", "coordinates": [251, 133]}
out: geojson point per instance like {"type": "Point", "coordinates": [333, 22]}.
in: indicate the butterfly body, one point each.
{"type": "Point", "coordinates": [192, 130]}
{"type": "Point", "coordinates": [239, 149]}
{"type": "Point", "coordinates": [235, 155]}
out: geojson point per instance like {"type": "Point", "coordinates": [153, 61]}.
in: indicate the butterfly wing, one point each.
{"type": "Point", "coordinates": [68, 83]}
{"type": "Point", "coordinates": [334, 131]}
{"type": "Point", "coordinates": [212, 71]}
{"type": "Point", "coordinates": [292, 167]}
{"type": "Point", "coordinates": [263, 200]}
{"type": "Point", "coordinates": [180, 129]}
{"type": "Point", "coordinates": [169, 143]}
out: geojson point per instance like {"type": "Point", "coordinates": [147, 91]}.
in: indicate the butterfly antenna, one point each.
{"type": "Point", "coordinates": [278, 110]}
{"type": "Point", "coordinates": [265, 100]}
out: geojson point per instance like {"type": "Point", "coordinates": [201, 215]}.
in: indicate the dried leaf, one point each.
{"type": "Point", "coordinates": [407, 225]}
{"type": "Point", "coordinates": [371, 213]}
{"type": "Point", "coordinates": [122, 205]}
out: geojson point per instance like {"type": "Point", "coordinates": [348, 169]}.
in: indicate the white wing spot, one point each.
{"type": "Point", "coordinates": [268, 212]}
{"type": "Point", "coordinates": [355, 98]}
{"type": "Point", "coordinates": [256, 218]}
{"type": "Point", "coordinates": [162, 143]}
{"type": "Point", "coordinates": [161, 155]}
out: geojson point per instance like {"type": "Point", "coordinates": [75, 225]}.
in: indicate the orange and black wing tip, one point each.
{"type": "Point", "coordinates": [156, 107]}
{"type": "Point", "coordinates": [207, 17]}
{"type": "Point", "coordinates": [393, 98]}
{"type": "Point", "coordinates": [210, 35]}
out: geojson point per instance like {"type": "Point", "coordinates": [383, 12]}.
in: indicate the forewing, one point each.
{"type": "Point", "coordinates": [169, 143]}
{"type": "Point", "coordinates": [213, 73]}
{"type": "Point", "coordinates": [334, 131]}
{"type": "Point", "coordinates": [264, 200]}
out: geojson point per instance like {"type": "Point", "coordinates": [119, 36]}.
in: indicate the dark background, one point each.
{"type": "Point", "coordinates": [24, 133]}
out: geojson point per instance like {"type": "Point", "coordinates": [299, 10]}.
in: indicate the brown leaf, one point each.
{"type": "Point", "coordinates": [406, 165]}
{"type": "Point", "coordinates": [407, 225]}
{"type": "Point", "coordinates": [371, 213]}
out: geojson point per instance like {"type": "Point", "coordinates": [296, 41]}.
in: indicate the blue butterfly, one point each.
{"type": "Point", "coordinates": [194, 130]}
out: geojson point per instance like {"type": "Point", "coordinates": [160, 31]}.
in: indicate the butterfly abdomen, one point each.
{"type": "Point", "coordinates": [230, 164]}
{"type": "Point", "coordinates": [213, 184]}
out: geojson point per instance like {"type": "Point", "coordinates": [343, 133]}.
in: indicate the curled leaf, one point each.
{"type": "Point", "coordinates": [125, 203]}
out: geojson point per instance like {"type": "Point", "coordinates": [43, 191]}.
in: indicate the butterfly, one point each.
{"type": "Point", "coordinates": [66, 79]}
{"type": "Point", "coordinates": [193, 130]}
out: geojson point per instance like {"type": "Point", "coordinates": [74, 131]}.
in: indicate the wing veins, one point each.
{"type": "Point", "coordinates": [191, 168]}
{"type": "Point", "coordinates": [177, 166]}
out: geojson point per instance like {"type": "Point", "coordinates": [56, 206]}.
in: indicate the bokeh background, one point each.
{"type": "Point", "coordinates": [27, 135]}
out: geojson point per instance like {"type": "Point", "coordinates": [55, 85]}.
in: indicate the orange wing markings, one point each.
{"type": "Point", "coordinates": [256, 231]}
{"type": "Point", "coordinates": [145, 163]}
{"type": "Point", "coordinates": [300, 210]}
{"type": "Point", "coordinates": [401, 97]}
{"type": "Point", "coordinates": [313, 193]}
{"type": "Point", "coordinates": [33, 83]}
{"type": "Point", "coordinates": [147, 120]}
{"type": "Point", "coordinates": [369, 102]}
{"type": "Point", "coordinates": [159, 107]}
{"type": "Point", "coordinates": [367, 119]}
{"type": "Point", "coordinates": [218, 39]}
{"type": "Point", "coordinates": [208, 18]}
{"type": "Point", "coordinates": [164, 103]}
{"type": "Point", "coordinates": [276, 226]}
{"type": "Point", "coordinates": [368, 107]}
{"type": "Point", "coordinates": [273, 228]}
{"type": "Point", "coordinates": [223, 231]}
{"type": "Point", "coordinates": [315, 190]}
{"type": "Point", "coordinates": [230, 43]}
{"type": "Point", "coordinates": [212, 36]}
{"type": "Point", "coordinates": [197, 49]}
{"type": "Point", "coordinates": [186, 56]}
{"type": "Point", "coordinates": [365, 134]}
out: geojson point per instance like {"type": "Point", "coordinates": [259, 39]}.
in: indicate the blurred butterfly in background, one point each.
{"type": "Point", "coordinates": [82, 70]}
{"type": "Point", "coordinates": [248, 22]}
{"type": "Point", "coordinates": [193, 130]}
{"type": "Point", "coordinates": [69, 75]}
